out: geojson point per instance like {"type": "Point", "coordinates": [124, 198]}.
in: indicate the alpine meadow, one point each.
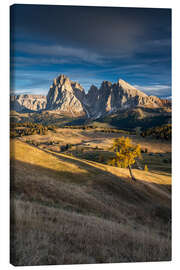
{"type": "Point", "coordinates": [90, 135]}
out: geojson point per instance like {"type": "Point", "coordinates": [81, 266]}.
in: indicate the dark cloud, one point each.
{"type": "Point", "coordinates": [92, 42]}
{"type": "Point", "coordinates": [104, 29]}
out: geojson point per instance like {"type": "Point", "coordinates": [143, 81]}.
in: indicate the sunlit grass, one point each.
{"type": "Point", "coordinates": [26, 153]}
{"type": "Point", "coordinates": [66, 209]}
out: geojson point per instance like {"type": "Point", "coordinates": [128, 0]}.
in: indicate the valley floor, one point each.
{"type": "Point", "coordinates": [66, 209]}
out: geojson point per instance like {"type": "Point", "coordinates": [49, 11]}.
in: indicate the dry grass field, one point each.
{"type": "Point", "coordinates": [70, 210]}
{"type": "Point", "coordinates": [94, 137]}
{"type": "Point", "coordinates": [95, 145]}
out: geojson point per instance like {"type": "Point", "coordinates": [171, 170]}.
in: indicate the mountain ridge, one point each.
{"type": "Point", "coordinates": [69, 97]}
{"type": "Point", "coordinates": [27, 102]}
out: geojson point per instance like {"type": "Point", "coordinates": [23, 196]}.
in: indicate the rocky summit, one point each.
{"type": "Point", "coordinates": [68, 97]}
{"type": "Point", "coordinates": [120, 95]}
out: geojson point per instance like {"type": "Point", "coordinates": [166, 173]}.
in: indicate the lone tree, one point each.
{"type": "Point", "coordinates": [126, 154]}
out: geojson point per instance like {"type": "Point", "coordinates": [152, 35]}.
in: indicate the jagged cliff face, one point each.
{"type": "Point", "coordinates": [115, 97]}
{"type": "Point", "coordinates": [68, 97]}
{"type": "Point", "coordinates": [23, 103]}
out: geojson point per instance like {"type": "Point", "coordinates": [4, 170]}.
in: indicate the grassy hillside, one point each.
{"type": "Point", "coordinates": [46, 118]}
{"type": "Point", "coordinates": [137, 117]}
{"type": "Point", "coordinates": [67, 210]}
{"type": "Point", "coordinates": [95, 145]}
{"type": "Point", "coordinates": [96, 138]}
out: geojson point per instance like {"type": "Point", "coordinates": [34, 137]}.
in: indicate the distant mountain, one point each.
{"type": "Point", "coordinates": [166, 102]}
{"type": "Point", "coordinates": [27, 103]}
{"type": "Point", "coordinates": [68, 97]}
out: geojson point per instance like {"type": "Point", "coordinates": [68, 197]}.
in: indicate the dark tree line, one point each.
{"type": "Point", "coordinates": [99, 129]}
{"type": "Point", "coordinates": [163, 132]}
{"type": "Point", "coordinates": [28, 128]}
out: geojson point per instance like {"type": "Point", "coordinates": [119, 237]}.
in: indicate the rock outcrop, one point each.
{"type": "Point", "coordinates": [68, 97]}
{"type": "Point", "coordinates": [118, 96]}
{"type": "Point", "coordinates": [27, 103]}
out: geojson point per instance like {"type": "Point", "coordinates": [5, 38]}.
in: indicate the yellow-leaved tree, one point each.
{"type": "Point", "coordinates": [126, 153]}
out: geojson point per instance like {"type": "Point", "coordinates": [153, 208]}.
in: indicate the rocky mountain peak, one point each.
{"type": "Point", "coordinates": [60, 79]}
{"type": "Point", "coordinates": [129, 89]}
{"type": "Point", "coordinates": [93, 90]}
{"type": "Point", "coordinates": [123, 83]}
{"type": "Point", "coordinates": [66, 96]}
{"type": "Point", "coordinates": [62, 82]}
{"type": "Point", "coordinates": [106, 84]}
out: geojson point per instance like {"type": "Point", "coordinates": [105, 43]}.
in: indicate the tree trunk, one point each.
{"type": "Point", "coordinates": [132, 176]}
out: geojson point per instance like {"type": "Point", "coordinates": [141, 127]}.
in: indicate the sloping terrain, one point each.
{"type": "Point", "coordinates": [137, 117]}
{"type": "Point", "coordinates": [66, 210]}
{"type": "Point", "coordinates": [127, 119]}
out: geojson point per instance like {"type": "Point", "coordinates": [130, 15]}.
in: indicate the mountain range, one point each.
{"type": "Point", "coordinates": [69, 98]}
{"type": "Point", "coordinates": [27, 103]}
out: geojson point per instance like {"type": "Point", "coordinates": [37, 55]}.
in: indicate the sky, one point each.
{"type": "Point", "coordinates": [90, 45]}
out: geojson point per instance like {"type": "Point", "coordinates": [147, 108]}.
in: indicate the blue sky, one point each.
{"type": "Point", "coordinates": [90, 45]}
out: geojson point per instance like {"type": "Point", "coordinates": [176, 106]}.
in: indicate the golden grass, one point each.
{"type": "Point", "coordinates": [61, 135]}
{"type": "Point", "coordinates": [140, 175]}
{"type": "Point", "coordinates": [65, 210]}
{"type": "Point", "coordinates": [26, 153]}
{"type": "Point", "coordinates": [95, 138]}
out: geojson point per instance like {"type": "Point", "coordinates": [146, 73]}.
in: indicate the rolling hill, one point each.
{"type": "Point", "coordinates": [67, 210]}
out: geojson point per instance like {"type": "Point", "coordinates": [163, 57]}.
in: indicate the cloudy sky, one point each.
{"type": "Point", "coordinates": [90, 45]}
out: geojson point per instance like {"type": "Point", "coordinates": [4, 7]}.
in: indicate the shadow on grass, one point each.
{"type": "Point", "coordinates": [140, 198]}
{"type": "Point", "coordinates": [140, 193]}
{"type": "Point", "coordinates": [134, 192]}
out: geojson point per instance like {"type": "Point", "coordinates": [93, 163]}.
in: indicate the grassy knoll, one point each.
{"type": "Point", "coordinates": [68, 210]}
